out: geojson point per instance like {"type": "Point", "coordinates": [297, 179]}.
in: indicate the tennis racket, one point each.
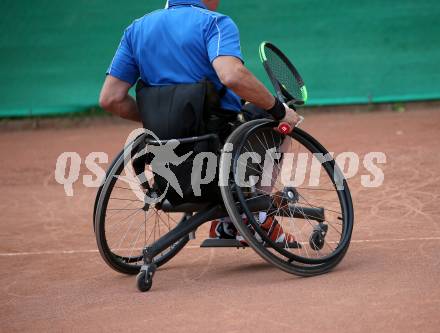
{"type": "Point", "coordinates": [286, 80]}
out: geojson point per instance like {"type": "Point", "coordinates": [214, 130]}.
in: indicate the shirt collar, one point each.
{"type": "Point", "coordinates": [197, 3]}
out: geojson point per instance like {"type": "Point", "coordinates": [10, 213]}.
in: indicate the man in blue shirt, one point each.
{"type": "Point", "coordinates": [177, 45]}
{"type": "Point", "coordinates": [185, 43]}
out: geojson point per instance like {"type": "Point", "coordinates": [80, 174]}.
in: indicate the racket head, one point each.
{"type": "Point", "coordinates": [285, 78]}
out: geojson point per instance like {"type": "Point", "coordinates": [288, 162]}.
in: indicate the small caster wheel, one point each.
{"type": "Point", "coordinates": [144, 282]}
{"type": "Point", "coordinates": [317, 238]}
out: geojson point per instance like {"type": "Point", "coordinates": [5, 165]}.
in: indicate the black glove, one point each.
{"type": "Point", "coordinates": [278, 111]}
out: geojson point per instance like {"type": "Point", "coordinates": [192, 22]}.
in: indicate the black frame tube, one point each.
{"type": "Point", "coordinates": [218, 211]}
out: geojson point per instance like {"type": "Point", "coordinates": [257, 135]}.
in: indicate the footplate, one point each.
{"type": "Point", "coordinates": [218, 243]}
{"type": "Point", "coordinates": [222, 243]}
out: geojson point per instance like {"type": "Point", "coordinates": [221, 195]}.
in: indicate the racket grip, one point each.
{"type": "Point", "coordinates": [284, 128]}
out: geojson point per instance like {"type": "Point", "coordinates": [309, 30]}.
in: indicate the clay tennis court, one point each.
{"type": "Point", "coordinates": [53, 278]}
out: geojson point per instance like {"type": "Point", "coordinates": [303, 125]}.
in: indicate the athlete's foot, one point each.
{"type": "Point", "coordinates": [225, 229]}
{"type": "Point", "coordinates": [222, 229]}
{"type": "Point", "coordinates": [274, 231]}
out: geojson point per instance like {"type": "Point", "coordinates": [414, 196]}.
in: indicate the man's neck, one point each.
{"type": "Point", "coordinates": [198, 3]}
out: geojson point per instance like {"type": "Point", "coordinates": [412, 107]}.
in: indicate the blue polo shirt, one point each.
{"type": "Point", "coordinates": [177, 45]}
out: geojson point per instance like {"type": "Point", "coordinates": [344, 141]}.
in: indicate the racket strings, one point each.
{"type": "Point", "coordinates": [290, 85]}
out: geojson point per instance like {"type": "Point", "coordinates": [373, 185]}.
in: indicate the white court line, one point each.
{"type": "Point", "coordinates": [39, 253]}
{"type": "Point", "coordinates": [411, 239]}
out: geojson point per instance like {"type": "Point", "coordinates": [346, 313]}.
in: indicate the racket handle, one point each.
{"type": "Point", "coordinates": [284, 128]}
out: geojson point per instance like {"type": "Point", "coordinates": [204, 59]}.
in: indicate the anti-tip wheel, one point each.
{"type": "Point", "coordinates": [317, 238]}
{"type": "Point", "coordinates": [144, 282]}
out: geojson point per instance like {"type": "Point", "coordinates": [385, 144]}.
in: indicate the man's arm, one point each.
{"type": "Point", "coordinates": [115, 99]}
{"type": "Point", "coordinates": [234, 75]}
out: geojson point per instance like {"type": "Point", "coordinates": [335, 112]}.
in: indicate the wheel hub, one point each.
{"type": "Point", "coordinates": [291, 194]}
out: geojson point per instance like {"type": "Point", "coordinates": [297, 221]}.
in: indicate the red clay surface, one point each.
{"type": "Point", "coordinates": [53, 279]}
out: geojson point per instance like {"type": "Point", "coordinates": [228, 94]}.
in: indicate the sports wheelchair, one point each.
{"type": "Point", "coordinates": [139, 230]}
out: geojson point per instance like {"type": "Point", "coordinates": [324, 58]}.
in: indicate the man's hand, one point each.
{"type": "Point", "coordinates": [239, 79]}
{"type": "Point", "coordinates": [291, 117]}
{"type": "Point", "coordinates": [290, 121]}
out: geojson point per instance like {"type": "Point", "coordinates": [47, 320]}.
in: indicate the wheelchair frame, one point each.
{"type": "Point", "coordinates": [206, 212]}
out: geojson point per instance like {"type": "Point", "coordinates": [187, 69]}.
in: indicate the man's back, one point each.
{"type": "Point", "coordinates": [177, 45]}
{"type": "Point", "coordinates": [185, 44]}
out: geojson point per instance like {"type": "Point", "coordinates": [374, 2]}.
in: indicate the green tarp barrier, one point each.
{"type": "Point", "coordinates": [53, 54]}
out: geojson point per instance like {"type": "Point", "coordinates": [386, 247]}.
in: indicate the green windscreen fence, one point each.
{"type": "Point", "coordinates": [53, 54]}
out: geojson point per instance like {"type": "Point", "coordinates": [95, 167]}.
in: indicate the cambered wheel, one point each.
{"type": "Point", "coordinates": [305, 189]}
{"type": "Point", "coordinates": [125, 222]}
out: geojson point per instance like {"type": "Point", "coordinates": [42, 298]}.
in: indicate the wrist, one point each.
{"type": "Point", "coordinates": [278, 111]}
